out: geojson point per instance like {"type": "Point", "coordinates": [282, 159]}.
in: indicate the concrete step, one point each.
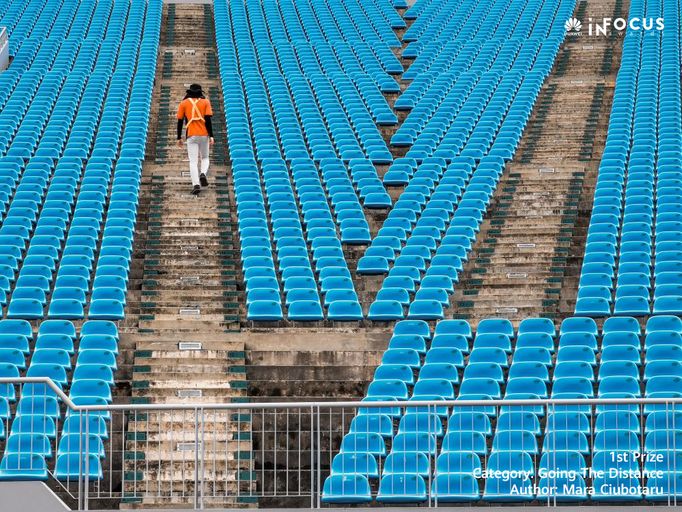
{"type": "Point", "coordinates": [188, 263]}
{"type": "Point", "coordinates": [186, 326]}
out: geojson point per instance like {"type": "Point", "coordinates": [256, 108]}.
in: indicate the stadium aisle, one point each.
{"type": "Point", "coordinates": [186, 346]}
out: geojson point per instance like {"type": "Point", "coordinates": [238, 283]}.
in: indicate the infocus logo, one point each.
{"type": "Point", "coordinates": [574, 26]}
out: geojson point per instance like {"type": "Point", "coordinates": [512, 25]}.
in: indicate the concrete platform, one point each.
{"type": "Point", "coordinates": [29, 497]}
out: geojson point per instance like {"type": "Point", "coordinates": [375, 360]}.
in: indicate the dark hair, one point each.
{"type": "Point", "coordinates": [194, 91]}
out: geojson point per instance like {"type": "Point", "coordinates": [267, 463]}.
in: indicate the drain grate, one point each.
{"type": "Point", "coordinates": [189, 393]}
{"type": "Point", "coordinates": [187, 446]}
{"type": "Point", "coordinates": [190, 345]}
{"type": "Point", "coordinates": [507, 310]}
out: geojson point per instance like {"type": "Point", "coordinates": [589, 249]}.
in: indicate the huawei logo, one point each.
{"type": "Point", "coordinates": [573, 25]}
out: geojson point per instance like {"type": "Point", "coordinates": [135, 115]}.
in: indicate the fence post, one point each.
{"type": "Point", "coordinates": [80, 460]}
{"type": "Point", "coordinates": [312, 457]}
{"type": "Point", "coordinates": [203, 456]}
{"type": "Point", "coordinates": [318, 488]}
{"type": "Point", "coordinates": [86, 490]}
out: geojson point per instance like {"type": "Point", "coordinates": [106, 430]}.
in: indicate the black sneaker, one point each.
{"type": "Point", "coordinates": [203, 180]}
{"type": "Point", "coordinates": [196, 190]}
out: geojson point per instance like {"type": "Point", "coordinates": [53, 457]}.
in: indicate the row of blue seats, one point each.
{"type": "Point", "coordinates": [37, 216]}
{"type": "Point", "coordinates": [463, 487]}
{"type": "Point", "coordinates": [38, 421]}
{"type": "Point", "coordinates": [465, 122]}
{"type": "Point", "coordinates": [632, 264]}
{"type": "Point", "coordinates": [515, 434]}
{"type": "Point", "coordinates": [71, 159]}
{"type": "Point", "coordinates": [310, 204]}
{"type": "Point", "coordinates": [467, 426]}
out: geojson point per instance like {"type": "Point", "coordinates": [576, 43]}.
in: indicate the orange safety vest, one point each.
{"type": "Point", "coordinates": [195, 115]}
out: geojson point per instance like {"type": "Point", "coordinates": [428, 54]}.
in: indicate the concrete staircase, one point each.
{"type": "Point", "coordinates": [314, 364]}
{"type": "Point", "coordinates": [529, 241]}
{"type": "Point", "coordinates": [184, 321]}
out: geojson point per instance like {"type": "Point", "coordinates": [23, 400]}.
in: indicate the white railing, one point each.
{"type": "Point", "coordinates": [278, 454]}
{"type": "Point", "coordinates": [4, 49]}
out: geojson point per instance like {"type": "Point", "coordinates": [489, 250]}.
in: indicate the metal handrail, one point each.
{"type": "Point", "coordinates": [339, 404]}
{"type": "Point", "coordinates": [301, 455]}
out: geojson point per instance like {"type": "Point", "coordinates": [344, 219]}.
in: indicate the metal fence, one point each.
{"type": "Point", "coordinates": [280, 454]}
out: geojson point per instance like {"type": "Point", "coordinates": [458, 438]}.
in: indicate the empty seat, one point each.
{"type": "Point", "coordinates": [426, 310]}
{"type": "Point", "coordinates": [386, 310]}
{"type": "Point", "coordinates": [264, 311]}
{"type": "Point", "coordinates": [495, 326]}
{"type": "Point", "coordinates": [410, 463]}
{"type": "Point", "coordinates": [305, 311]}
{"type": "Point", "coordinates": [355, 463]}
{"type": "Point", "coordinates": [72, 466]}
{"type": "Point", "coordinates": [455, 488]}
{"type": "Point", "coordinates": [105, 309]}
{"type": "Point", "coordinates": [23, 466]}
{"type": "Point", "coordinates": [345, 310]}
{"type": "Point", "coordinates": [402, 488]}
{"type": "Point", "coordinates": [353, 488]}
{"type": "Point", "coordinates": [363, 443]}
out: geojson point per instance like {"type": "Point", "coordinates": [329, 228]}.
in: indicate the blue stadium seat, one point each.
{"type": "Point", "coordinates": [386, 310]}
{"type": "Point", "coordinates": [578, 324]}
{"type": "Point", "coordinates": [355, 463]}
{"type": "Point", "coordinates": [36, 444]}
{"type": "Point", "coordinates": [402, 488]}
{"type": "Point", "coordinates": [664, 323]}
{"type": "Point", "coordinates": [426, 310]}
{"type": "Point", "coordinates": [400, 372]}
{"type": "Point", "coordinates": [537, 325]}
{"type": "Point", "coordinates": [495, 326]}
{"type": "Point", "coordinates": [464, 441]}
{"type": "Point", "coordinates": [408, 341]}
{"type": "Point", "coordinates": [60, 327]}
{"type": "Point", "coordinates": [353, 488]}
{"type": "Point", "coordinates": [23, 466]}
{"type": "Point", "coordinates": [305, 310]}
{"type": "Point", "coordinates": [345, 310]}
{"type": "Point", "coordinates": [104, 309]}
{"type": "Point", "coordinates": [457, 327]}
{"type": "Point", "coordinates": [455, 488]}
{"type": "Point", "coordinates": [621, 324]}
{"type": "Point", "coordinates": [364, 443]}
{"type": "Point", "coordinates": [409, 463]}
{"type": "Point", "coordinates": [66, 309]}
{"type": "Point", "coordinates": [264, 311]}
{"type": "Point", "coordinates": [70, 466]}
{"type": "Point", "coordinates": [372, 423]}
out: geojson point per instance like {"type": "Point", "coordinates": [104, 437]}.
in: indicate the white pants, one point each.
{"type": "Point", "coordinates": [197, 148]}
